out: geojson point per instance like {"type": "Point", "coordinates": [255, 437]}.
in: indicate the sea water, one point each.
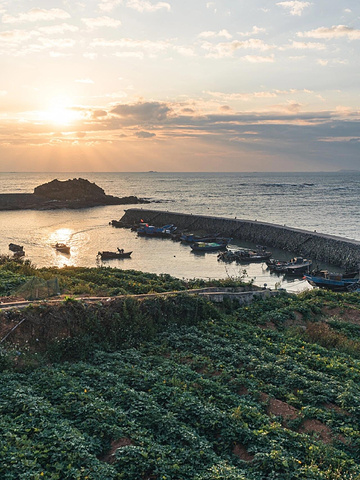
{"type": "Point", "coordinates": [325, 202]}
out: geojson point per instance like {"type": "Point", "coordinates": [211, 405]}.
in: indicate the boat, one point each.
{"type": "Point", "coordinates": [208, 246]}
{"type": "Point", "coordinates": [191, 238]}
{"type": "Point", "coordinates": [13, 247]}
{"type": "Point", "coordinates": [106, 255]}
{"type": "Point", "coordinates": [166, 231]}
{"type": "Point", "coordinates": [62, 247]}
{"type": "Point", "coordinates": [337, 282]}
{"type": "Point", "coordinates": [244, 255]}
{"type": "Point", "coordinates": [296, 266]}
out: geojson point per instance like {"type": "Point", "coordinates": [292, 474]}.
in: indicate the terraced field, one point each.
{"type": "Point", "coordinates": [266, 391]}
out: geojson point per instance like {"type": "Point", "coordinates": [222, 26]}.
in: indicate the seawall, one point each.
{"type": "Point", "coordinates": [317, 246]}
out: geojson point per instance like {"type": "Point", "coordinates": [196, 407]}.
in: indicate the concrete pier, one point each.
{"type": "Point", "coordinates": [317, 246]}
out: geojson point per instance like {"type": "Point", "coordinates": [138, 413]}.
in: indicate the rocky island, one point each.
{"type": "Point", "coordinates": [75, 193]}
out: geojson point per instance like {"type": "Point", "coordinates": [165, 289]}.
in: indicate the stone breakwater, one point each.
{"type": "Point", "coordinates": [317, 246]}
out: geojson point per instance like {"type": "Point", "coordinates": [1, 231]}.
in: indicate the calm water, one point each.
{"type": "Point", "coordinates": [326, 202]}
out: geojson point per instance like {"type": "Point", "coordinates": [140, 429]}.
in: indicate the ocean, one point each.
{"type": "Point", "coordinates": [325, 202]}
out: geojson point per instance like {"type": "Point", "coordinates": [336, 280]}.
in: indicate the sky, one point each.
{"type": "Point", "coordinates": [179, 85]}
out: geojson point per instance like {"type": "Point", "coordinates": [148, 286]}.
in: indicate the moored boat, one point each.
{"type": "Point", "coordinates": [296, 266]}
{"type": "Point", "coordinates": [244, 256]}
{"type": "Point", "coordinates": [337, 282]}
{"type": "Point", "coordinates": [166, 231]}
{"type": "Point", "coordinates": [106, 255]}
{"type": "Point", "coordinates": [208, 246]}
{"type": "Point", "coordinates": [211, 238]}
{"type": "Point", "coordinates": [62, 248]}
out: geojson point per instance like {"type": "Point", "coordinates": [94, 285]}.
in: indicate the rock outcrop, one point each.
{"type": "Point", "coordinates": [76, 189]}
{"type": "Point", "coordinates": [75, 193]}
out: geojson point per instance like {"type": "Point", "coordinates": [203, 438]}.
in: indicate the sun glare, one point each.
{"type": "Point", "coordinates": [60, 111]}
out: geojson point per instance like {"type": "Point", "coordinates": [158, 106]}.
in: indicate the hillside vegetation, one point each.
{"type": "Point", "coordinates": [178, 389]}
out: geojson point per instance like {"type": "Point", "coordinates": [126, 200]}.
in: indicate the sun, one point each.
{"type": "Point", "coordinates": [61, 111]}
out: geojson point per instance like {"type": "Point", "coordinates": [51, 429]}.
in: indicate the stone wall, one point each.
{"type": "Point", "coordinates": [317, 246]}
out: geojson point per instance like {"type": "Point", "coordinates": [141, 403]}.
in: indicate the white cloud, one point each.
{"type": "Point", "coordinates": [336, 31]}
{"type": "Point", "coordinates": [185, 51]}
{"type": "Point", "coordinates": [304, 46]}
{"type": "Point", "coordinates": [146, 6]}
{"type": "Point", "coordinates": [98, 22]}
{"type": "Point", "coordinates": [3, 93]}
{"type": "Point", "coordinates": [255, 31]}
{"type": "Point", "coordinates": [58, 29]}
{"type": "Point", "coordinates": [109, 5]}
{"type": "Point", "coordinates": [130, 43]}
{"type": "Point", "coordinates": [322, 62]}
{"type": "Point", "coordinates": [59, 54]}
{"type": "Point", "coordinates": [36, 15]}
{"type": "Point", "coordinates": [258, 59]}
{"type": "Point", "coordinates": [229, 97]}
{"type": "Point", "coordinates": [296, 7]}
{"type": "Point", "coordinates": [15, 36]}
{"type": "Point", "coordinates": [210, 34]}
{"type": "Point", "coordinates": [84, 80]}
{"type": "Point", "coordinates": [139, 55]}
{"type": "Point", "coordinates": [227, 49]}
{"type": "Point", "coordinates": [90, 56]}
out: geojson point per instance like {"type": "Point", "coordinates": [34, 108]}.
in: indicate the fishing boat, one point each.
{"type": "Point", "coordinates": [166, 231]}
{"type": "Point", "coordinates": [337, 282]}
{"type": "Point", "coordinates": [62, 247]}
{"type": "Point", "coordinates": [106, 255]}
{"type": "Point", "coordinates": [208, 246]}
{"type": "Point", "coordinates": [296, 266]}
{"type": "Point", "coordinates": [244, 256]}
{"type": "Point", "coordinates": [191, 238]}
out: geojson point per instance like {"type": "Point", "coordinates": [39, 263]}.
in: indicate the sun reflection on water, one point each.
{"type": "Point", "coordinates": [61, 259]}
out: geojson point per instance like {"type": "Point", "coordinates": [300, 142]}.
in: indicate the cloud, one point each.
{"type": "Point", "coordinates": [128, 43]}
{"type": "Point", "coordinates": [296, 7]}
{"type": "Point", "coordinates": [58, 29]}
{"type": "Point", "coordinates": [304, 46]}
{"type": "Point", "coordinates": [84, 80]}
{"type": "Point", "coordinates": [146, 6]}
{"type": "Point", "coordinates": [185, 51]}
{"type": "Point", "coordinates": [230, 97]}
{"type": "Point", "coordinates": [15, 36]}
{"type": "Point", "coordinates": [336, 31]}
{"type": "Point", "coordinates": [209, 34]}
{"type": "Point", "coordinates": [108, 5]}
{"type": "Point", "coordinates": [3, 93]}
{"type": "Point", "coordinates": [259, 58]}
{"type": "Point", "coordinates": [255, 31]}
{"type": "Point", "coordinates": [227, 49]}
{"type": "Point", "coordinates": [139, 55]}
{"type": "Point", "coordinates": [98, 22]}
{"type": "Point", "coordinates": [142, 112]}
{"type": "Point", "coordinates": [36, 15]}
{"type": "Point", "coordinates": [143, 134]}
{"type": "Point", "coordinates": [322, 62]}
{"type": "Point", "coordinates": [99, 113]}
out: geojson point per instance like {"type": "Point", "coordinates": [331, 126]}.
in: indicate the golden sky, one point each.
{"type": "Point", "coordinates": [137, 85]}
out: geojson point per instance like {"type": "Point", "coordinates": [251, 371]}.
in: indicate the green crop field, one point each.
{"type": "Point", "coordinates": [264, 391]}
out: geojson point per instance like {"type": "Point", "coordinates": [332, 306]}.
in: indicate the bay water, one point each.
{"type": "Point", "coordinates": [325, 202]}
